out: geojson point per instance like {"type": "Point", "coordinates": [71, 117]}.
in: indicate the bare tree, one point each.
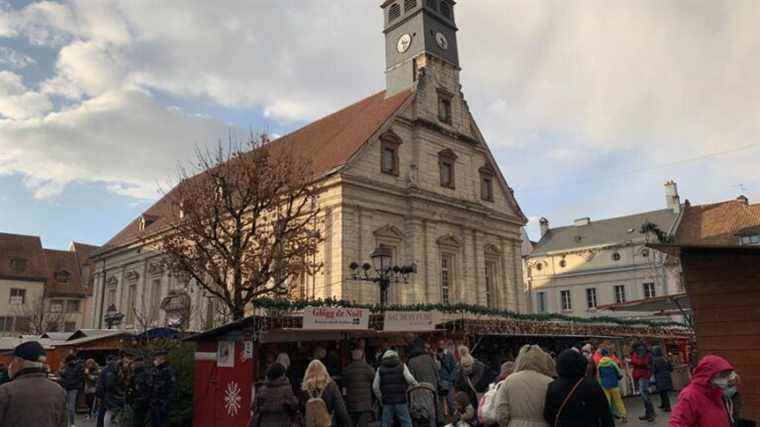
{"type": "Point", "coordinates": [245, 222]}
{"type": "Point", "coordinates": [41, 316]}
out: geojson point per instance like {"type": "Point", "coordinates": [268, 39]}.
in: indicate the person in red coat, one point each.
{"type": "Point", "coordinates": [702, 403]}
{"type": "Point", "coordinates": [641, 361]}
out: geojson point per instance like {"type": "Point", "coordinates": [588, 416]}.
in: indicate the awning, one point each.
{"type": "Point", "coordinates": [666, 304]}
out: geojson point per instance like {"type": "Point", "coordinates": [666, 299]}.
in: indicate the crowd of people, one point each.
{"type": "Point", "coordinates": [127, 387]}
{"type": "Point", "coordinates": [444, 384]}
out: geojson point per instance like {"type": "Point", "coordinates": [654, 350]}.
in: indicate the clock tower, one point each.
{"type": "Point", "coordinates": [416, 32]}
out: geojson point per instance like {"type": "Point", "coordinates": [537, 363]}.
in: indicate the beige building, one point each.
{"type": "Point", "coordinates": [575, 269]}
{"type": "Point", "coordinates": [42, 290]}
{"type": "Point", "coordinates": [406, 168]}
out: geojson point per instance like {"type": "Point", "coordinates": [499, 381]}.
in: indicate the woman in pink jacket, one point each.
{"type": "Point", "coordinates": [702, 403]}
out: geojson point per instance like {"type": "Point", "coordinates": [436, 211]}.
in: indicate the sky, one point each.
{"type": "Point", "coordinates": [589, 106]}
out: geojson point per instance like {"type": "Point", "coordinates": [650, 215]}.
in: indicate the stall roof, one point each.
{"type": "Point", "coordinates": [58, 336]}
{"type": "Point", "coordinates": [221, 330]}
{"type": "Point", "coordinates": [94, 337]}
{"type": "Point", "coordinates": [665, 303]}
{"type": "Point", "coordinates": [96, 333]}
{"type": "Point", "coordinates": [9, 343]}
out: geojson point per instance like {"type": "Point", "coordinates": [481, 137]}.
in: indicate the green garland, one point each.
{"type": "Point", "coordinates": [297, 305]}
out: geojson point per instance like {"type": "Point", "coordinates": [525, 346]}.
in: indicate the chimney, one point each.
{"type": "Point", "coordinates": [672, 199]}
{"type": "Point", "coordinates": [544, 226]}
{"type": "Point", "coordinates": [580, 222]}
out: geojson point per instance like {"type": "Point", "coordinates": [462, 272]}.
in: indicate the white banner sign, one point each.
{"type": "Point", "coordinates": [411, 321]}
{"type": "Point", "coordinates": [335, 318]}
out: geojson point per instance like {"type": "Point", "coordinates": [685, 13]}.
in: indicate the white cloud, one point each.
{"type": "Point", "coordinates": [609, 77]}
{"type": "Point", "coordinates": [14, 60]}
{"type": "Point", "coordinates": [122, 138]}
{"type": "Point", "coordinates": [17, 102]}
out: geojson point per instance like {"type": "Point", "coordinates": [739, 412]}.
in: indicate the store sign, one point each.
{"type": "Point", "coordinates": [335, 318]}
{"type": "Point", "coordinates": [411, 321]}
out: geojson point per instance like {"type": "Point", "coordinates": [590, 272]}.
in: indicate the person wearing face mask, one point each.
{"type": "Point", "coordinates": [705, 402]}
{"type": "Point", "coordinates": [31, 399]}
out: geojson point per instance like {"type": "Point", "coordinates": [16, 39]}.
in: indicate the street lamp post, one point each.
{"type": "Point", "coordinates": [384, 272]}
{"type": "Point", "coordinates": [113, 317]}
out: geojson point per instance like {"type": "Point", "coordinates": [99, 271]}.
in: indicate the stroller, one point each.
{"type": "Point", "coordinates": [423, 405]}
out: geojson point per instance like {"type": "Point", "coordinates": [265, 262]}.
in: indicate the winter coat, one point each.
{"type": "Point", "coordinates": [587, 406]}
{"type": "Point", "coordinates": [335, 405]}
{"type": "Point", "coordinates": [642, 366]}
{"type": "Point", "coordinates": [422, 366]}
{"type": "Point", "coordinates": [449, 370]}
{"type": "Point", "coordinates": [111, 387]}
{"type": "Point", "coordinates": [31, 399]}
{"type": "Point", "coordinates": [357, 378]}
{"type": "Point", "coordinates": [72, 375]}
{"type": "Point", "coordinates": [609, 373]}
{"type": "Point", "coordinates": [520, 397]}
{"type": "Point", "coordinates": [393, 385]}
{"type": "Point", "coordinates": [164, 387]}
{"type": "Point", "coordinates": [275, 405]}
{"type": "Point", "coordinates": [468, 379]}
{"type": "Point", "coordinates": [140, 388]}
{"type": "Point", "coordinates": [701, 404]}
{"type": "Point", "coordinates": [661, 368]}
{"type": "Point", "coordinates": [91, 380]}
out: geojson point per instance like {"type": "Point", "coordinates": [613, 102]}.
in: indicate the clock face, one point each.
{"type": "Point", "coordinates": [441, 40]}
{"type": "Point", "coordinates": [404, 42]}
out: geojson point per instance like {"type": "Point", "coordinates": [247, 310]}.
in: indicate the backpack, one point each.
{"type": "Point", "coordinates": [317, 414]}
{"type": "Point", "coordinates": [487, 405]}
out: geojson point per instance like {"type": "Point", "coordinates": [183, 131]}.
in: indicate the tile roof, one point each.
{"type": "Point", "coordinates": [603, 232]}
{"type": "Point", "coordinates": [63, 262]}
{"type": "Point", "coordinates": [328, 142]}
{"type": "Point", "coordinates": [718, 224]}
{"type": "Point", "coordinates": [27, 248]}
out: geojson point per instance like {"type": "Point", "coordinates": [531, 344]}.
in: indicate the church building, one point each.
{"type": "Point", "coordinates": [406, 169]}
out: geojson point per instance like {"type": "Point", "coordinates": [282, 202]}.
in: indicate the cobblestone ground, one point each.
{"type": "Point", "coordinates": [634, 406]}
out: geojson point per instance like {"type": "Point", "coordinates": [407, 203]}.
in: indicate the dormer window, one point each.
{"type": "Point", "coordinates": [62, 276]}
{"type": "Point", "coordinates": [389, 146]}
{"type": "Point", "coordinates": [446, 161]}
{"type": "Point", "coordinates": [486, 183]}
{"type": "Point", "coordinates": [145, 222]}
{"type": "Point", "coordinates": [18, 265]}
{"type": "Point", "coordinates": [751, 240]}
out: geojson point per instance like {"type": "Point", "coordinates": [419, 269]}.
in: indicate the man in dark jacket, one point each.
{"type": "Point", "coordinates": [164, 389]}
{"type": "Point", "coordinates": [72, 381]}
{"type": "Point", "coordinates": [447, 374]}
{"type": "Point", "coordinates": [357, 379]}
{"type": "Point", "coordinates": [114, 388]}
{"type": "Point", "coordinates": [663, 381]}
{"type": "Point", "coordinates": [138, 393]}
{"type": "Point", "coordinates": [586, 403]}
{"type": "Point", "coordinates": [100, 387]}
{"type": "Point", "coordinates": [424, 370]}
{"type": "Point", "coordinates": [641, 361]}
{"type": "Point", "coordinates": [31, 399]}
{"type": "Point", "coordinates": [390, 384]}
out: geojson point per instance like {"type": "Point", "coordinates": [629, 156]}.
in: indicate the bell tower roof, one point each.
{"type": "Point", "coordinates": [414, 28]}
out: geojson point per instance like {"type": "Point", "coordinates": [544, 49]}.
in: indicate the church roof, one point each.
{"type": "Point", "coordinates": [328, 142]}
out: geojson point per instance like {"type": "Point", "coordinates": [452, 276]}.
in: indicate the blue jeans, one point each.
{"type": "Point", "coordinates": [71, 405]}
{"type": "Point", "coordinates": [644, 390]}
{"type": "Point", "coordinates": [401, 411]}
